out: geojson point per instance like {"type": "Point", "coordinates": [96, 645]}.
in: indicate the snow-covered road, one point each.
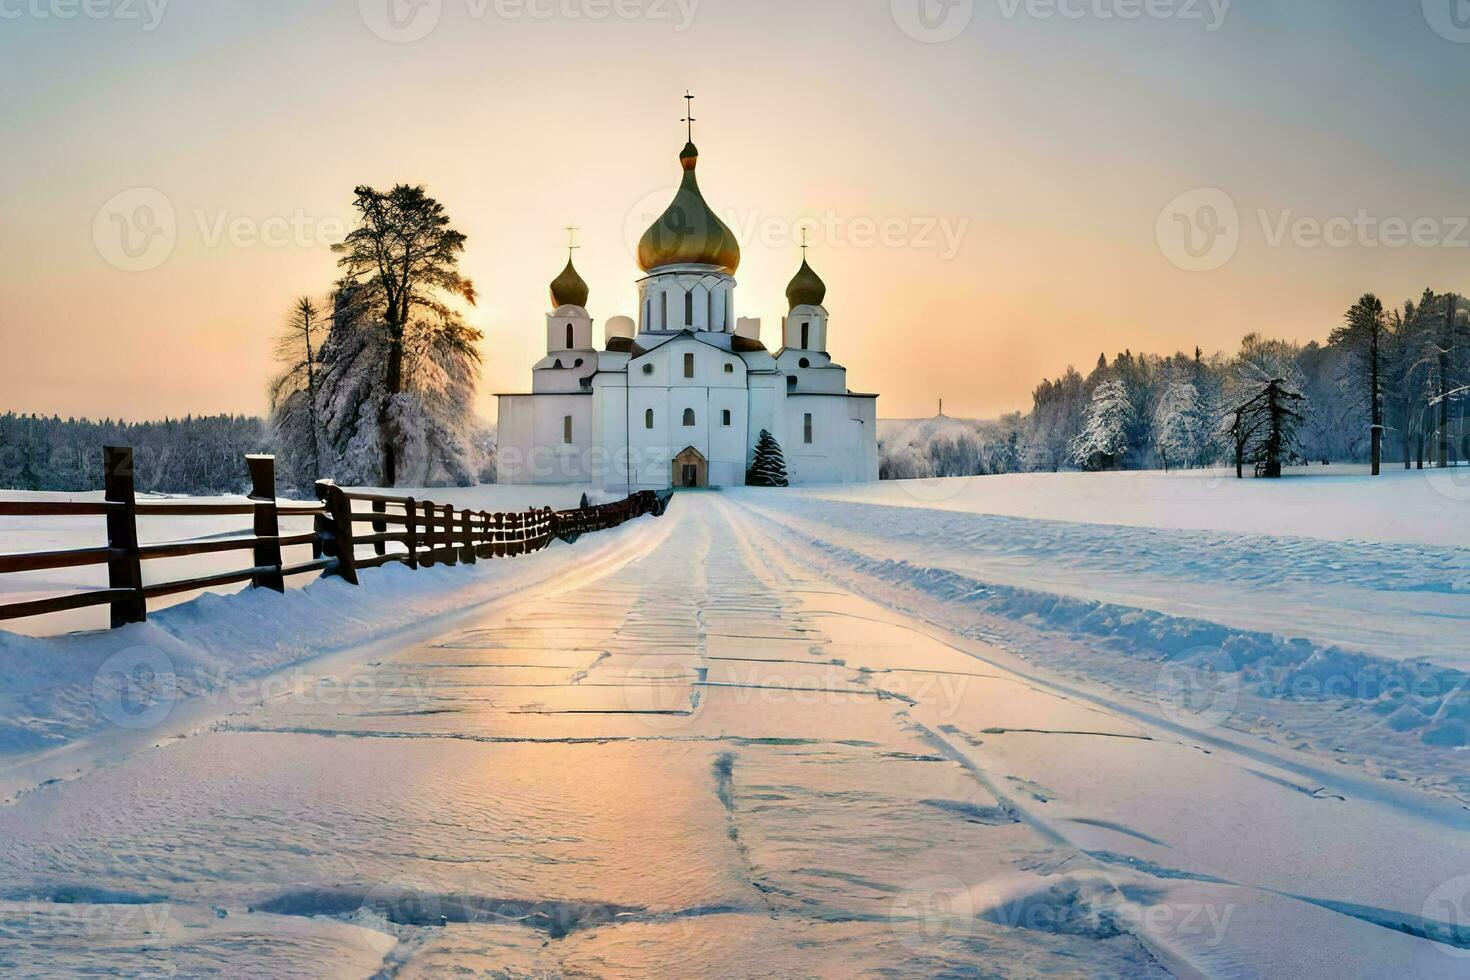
{"type": "Point", "coordinates": [713, 757]}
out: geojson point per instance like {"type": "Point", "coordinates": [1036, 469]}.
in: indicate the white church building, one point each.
{"type": "Point", "coordinates": [680, 398]}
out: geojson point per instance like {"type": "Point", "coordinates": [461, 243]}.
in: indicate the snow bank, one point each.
{"type": "Point", "coordinates": [1340, 645]}
{"type": "Point", "coordinates": [1338, 503]}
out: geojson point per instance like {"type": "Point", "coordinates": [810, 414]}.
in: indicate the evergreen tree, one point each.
{"type": "Point", "coordinates": [1104, 437]}
{"type": "Point", "coordinates": [769, 468]}
{"type": "Point", "coordinates": [1364, 335]}
{"type": "Point", "coordinates": [1265, 429]}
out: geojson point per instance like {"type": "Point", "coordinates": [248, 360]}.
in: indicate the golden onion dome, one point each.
{"type": "Point", "coordinates": [568, 289]}
{"type": "Point", "coordinates": [807, 288]}
{"type": "Point", "coordinates": [689, 232]}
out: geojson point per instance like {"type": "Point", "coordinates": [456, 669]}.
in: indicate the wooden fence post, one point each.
{"type": "Point", "coordinates": [338, 542]}
{"type": "Point", "coordinates": [451, 553]}
{"type": "Point", "coordinates": [124, 566]}
{"type": "Point", "coordinates": [380, 548]}
{"type": "Point", "coordinates": [267, 523]}
{"type": "Point", "coordinates": [411, 509]}
{"type": "Point", "coordinates": [482, 536]}
{"type": "Point", "coordinates": [467, 553]}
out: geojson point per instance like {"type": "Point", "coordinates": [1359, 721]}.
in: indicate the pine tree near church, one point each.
{"type": "Point", "coordinates": [769, 468]}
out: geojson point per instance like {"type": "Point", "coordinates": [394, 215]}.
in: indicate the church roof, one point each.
{"type": "Point", "coordinates": [569, 288]}
{"type": "Point", "coordinates": [689, 232]}
{"type": "Point", "coordinates": [807, 288]}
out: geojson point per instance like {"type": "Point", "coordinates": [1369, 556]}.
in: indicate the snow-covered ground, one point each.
{"type": "Point", "coordinates": [863, 731]}
{"type": "Point", "coordinates": [1328, 611]}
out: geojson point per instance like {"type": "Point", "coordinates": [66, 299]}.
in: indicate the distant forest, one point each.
{"type": "Point", "coordinates": [191, 455]}
{"type": "Point", "coordinates": [1403, 373]}
{"type": "Point", "coordinates": [202, 455]}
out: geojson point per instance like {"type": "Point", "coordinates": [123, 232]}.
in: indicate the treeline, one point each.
{"type": "Point", "coordinates": [196, 455]}
{"type": "Point", "coordinates": [1401, 373]}
{"type": "Point", "coordinates": [193, 455]}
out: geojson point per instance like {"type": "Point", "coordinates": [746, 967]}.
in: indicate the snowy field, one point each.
{"type": "Point", "coordinates": [1126, 725]}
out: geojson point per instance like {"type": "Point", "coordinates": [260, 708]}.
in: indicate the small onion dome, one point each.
{"type": "Point", "coordinates": [806, 289]}
{"type": "Point", "coordinates": [689, 232]}
{"type": "Point", "coordinates": [568, 289]}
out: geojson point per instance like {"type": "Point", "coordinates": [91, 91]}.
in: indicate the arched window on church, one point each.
{"type": "Point", "coordinates": [806, 336]}
{"type": "Point", "coordinates": [571, 337]}
{"type": "Point", "coordinates": [688, 418]}
{"type": "Point", "coordinates": [663, 322]}
{"type": "Point", "coordinates": [688, 365]}
{"type": "Point", "coordinates": [711, 321]}
{"type": "Point", "coordinates": [648, 419]}
{"type": "Point", "coordinates": [689, 309]}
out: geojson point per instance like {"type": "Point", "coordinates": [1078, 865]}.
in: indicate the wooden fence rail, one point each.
{"type": "Point", "coordinates": [419, 534]}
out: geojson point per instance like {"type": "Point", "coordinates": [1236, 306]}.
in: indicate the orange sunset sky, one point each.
{"type": "Point", "coordinates": [983, 208]}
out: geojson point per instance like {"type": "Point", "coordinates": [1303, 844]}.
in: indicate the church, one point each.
{"type": "Point", "coordinates": [679, 398]}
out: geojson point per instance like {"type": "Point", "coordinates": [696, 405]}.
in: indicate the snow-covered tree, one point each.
{"type": "Point", "coordinates": [1104, 436]}
{"type": "Point", "coordinates": [400, 267]}
{"type": "Point", "coordinates": [769, 466]}
{"type": "Point", "coordinates": [1180, 426]}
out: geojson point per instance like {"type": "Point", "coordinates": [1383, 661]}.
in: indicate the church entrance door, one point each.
{"type": "Point", "coordinates": [691, 469]}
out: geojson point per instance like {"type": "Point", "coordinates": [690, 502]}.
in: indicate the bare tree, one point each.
{"type": "Point", "coordinates": [294, 392]}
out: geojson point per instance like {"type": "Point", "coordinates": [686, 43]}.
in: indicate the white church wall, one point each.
{"type": "Point", "coordinates": [611, 431]}
{"type": "Point", "coordinates": [841, 427]}
{"type": "Point", "coordinates": [766, 398]}
{"type": "Point", "coordinates": [658, 383]}
{"type": "Point", "coordinates": [536, 450]}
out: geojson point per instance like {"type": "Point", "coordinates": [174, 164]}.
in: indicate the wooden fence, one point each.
{"type": "Point", "coordinates": [417, 533]}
